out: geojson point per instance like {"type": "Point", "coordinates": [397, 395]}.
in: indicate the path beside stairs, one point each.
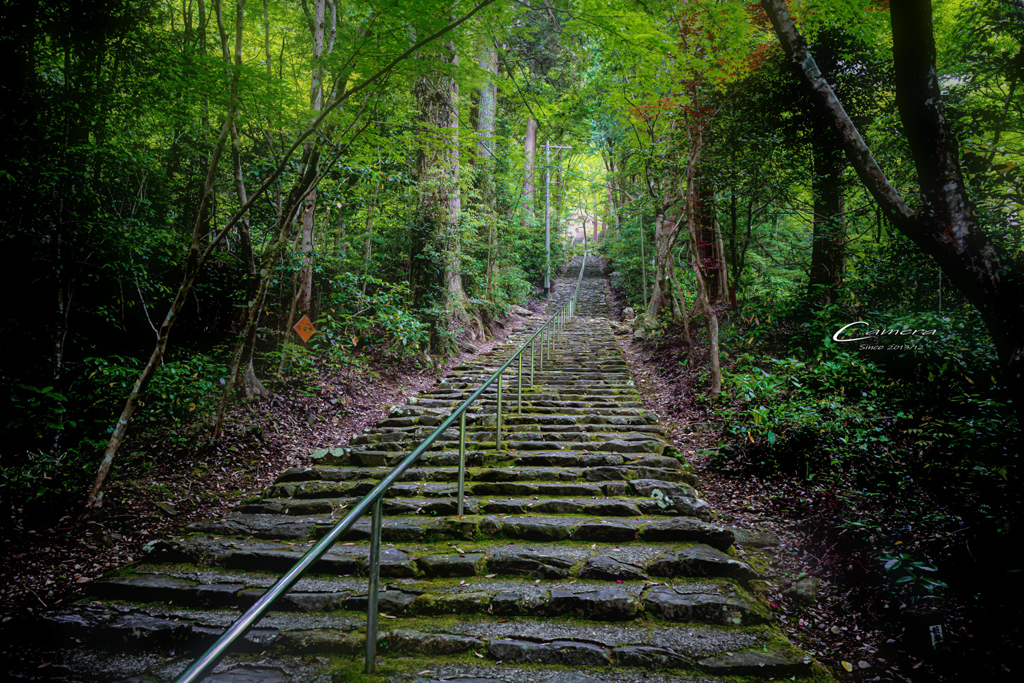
{"type": "Point", "coordinates": [585, 553]}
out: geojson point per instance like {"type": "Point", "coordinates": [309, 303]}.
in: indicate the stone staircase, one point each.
{"type": "Point", "coordinates": [585, 554]}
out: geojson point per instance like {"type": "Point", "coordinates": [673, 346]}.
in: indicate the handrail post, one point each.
{"type": "Point", "coordinates": [497, 421]}
{"type": "Point", "coordinates": [533, 345]}
{"type": "Point", "coordinates": [462, 460]}
{"type": "Point", "coordinates": [371, 598]}
{"type": "Point", "coordinates": [519, 386]}
{"type": "Point", "coordinates": [540, 355]}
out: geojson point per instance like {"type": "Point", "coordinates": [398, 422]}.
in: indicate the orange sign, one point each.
{"type": "Point", "coordinates": [304, 329]}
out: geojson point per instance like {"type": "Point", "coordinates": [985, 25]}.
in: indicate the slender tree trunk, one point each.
{"type": "Point", "coordinates": [698, 208]}
{"type": "Point", "coordinates": [725, 293]}
{"type": "Point", "coordinates": [529, 169]}
{"type": "Point", "coordinates": [316, 102]}
{"type": "Point", "coordinates": [486, 112]}
{"type": "Point", "coordinates": [703, 298]}
{"type": "Point", "coordinates": [293, 305]}
{"type": "Point", "coordinates": [828, 252]}
{"type": "Point", "coordinates": [254, 294]}
{"type": "Point", "coordinates": [664, 293]}
{"type": "Point", "coordinates": [304, 294]}
{"type": "Point", "coordinates": [370, 213]}
{"type": "Point", "coordinates": [453, 240]}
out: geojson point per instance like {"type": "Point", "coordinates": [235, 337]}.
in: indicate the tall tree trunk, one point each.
{"type": "Point", "coordinates": [529, 169]}
{"type": "Point", "coordinates": [304, 294]}
{"type": "Point", "coordinates": [710, 251]}
{"type": "Point", "coordinates": [316, 102]}
{"type": "Point", "coordinates": [699, 206]}
{"type": "Point", "coordinates": [944, 224]}
{"type": "Point", "coordinates": [486, 112]}
{"type": "Point", "coordinates": [453, 240]}
{"type": "Point", "coordinates": [828, 252]}
{"type": "Point", "coordinates": [703, 299]}
{"type": "Point", "coordinates": [254, 291]}
{"type": "Point", "coordinates": [666, 230]}
{"type": "Point", "coordinates": [436, 278]}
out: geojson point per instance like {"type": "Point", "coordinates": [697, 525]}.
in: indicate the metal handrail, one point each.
{"type": "Point", "coordinates": [204, 665]}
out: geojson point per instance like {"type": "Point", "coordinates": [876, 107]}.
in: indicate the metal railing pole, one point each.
{"type": "Point", "coordinates": [497, 422]}
{"type": "Point", "coordinates": [540, 354]}
{"type": "Point", "coordinates": [533, 345]}
{"type": "Point", "coordinates": [519, 386]}
{"type": "Point", "coordinates": [462, 460]}
{"type": "Point", "coordinates": [371, 598]}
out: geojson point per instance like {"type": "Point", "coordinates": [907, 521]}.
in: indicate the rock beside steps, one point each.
{"type": "Point", "coordinates": [585, 554]}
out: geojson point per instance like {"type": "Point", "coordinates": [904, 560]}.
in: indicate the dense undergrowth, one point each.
{"type": "Point", "coordinates": [917, 451]}
{"type": "Point", "coordinates": [897, 455]}
{"type": "Point", "coordinates": [54, 438]}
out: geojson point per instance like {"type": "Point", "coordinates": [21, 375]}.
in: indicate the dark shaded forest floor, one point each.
{"type": "Point", "coordinates": [161, 485]}
{"type": "Point", "coordinates": [859, 627]}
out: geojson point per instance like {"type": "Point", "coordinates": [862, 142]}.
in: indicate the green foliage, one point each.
{"type": "Point", "coordinates": [41, 409]}
{"type": "Point", "coordinates": [74, 424]}
{"type": "Point", "coordinates": [918, 578]}
{"type": "Point", "coordinates": [180, 391]}
{"type": "Point", "coordinates": [626, 255]}
{"type": "Point", "coordinates": [841, 409]}
{"type": "Point", "coordinates": [38, 475]}
{"type": "Point", "coordinates": [377, 318]}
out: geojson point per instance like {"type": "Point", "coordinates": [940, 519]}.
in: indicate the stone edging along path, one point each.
{"type": "Point", "coordinates": [585, 554]}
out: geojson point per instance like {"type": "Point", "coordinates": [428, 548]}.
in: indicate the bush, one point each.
{"type": "Point", "coordinates": [58, 453]}
{"type": "Point", "coordinates": [378, 317]}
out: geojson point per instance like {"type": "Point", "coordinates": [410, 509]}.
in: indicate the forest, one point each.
{"type": "Point", "coordinates": [812, 208]}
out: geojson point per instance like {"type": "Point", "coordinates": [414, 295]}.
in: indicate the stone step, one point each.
{"type": "Point", "coordinates": [363, 459]}
{"type": "Point", "coordinates": [486, 409]}
{"type": "Point", "coordinates": [522, 426]}
{"type": "Point", "coordinates": [594, 438]}
{"type": "Point", "coordinates": [543, 527]}
{"type": "Point", "coordinates": [512, 418]}
{"type": "Point", "coordinates": [639, 479]}
{"type": "Point", "coordinates": [615, 443]}
{"type": "Point", "coordinates": [447, 506]}
{"type": "Point", "coordinates": [569, 464]}
{"type": "Point", "coordinates": [619, 649]}
{"type": "Point", "coordinates": [696, 602]}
